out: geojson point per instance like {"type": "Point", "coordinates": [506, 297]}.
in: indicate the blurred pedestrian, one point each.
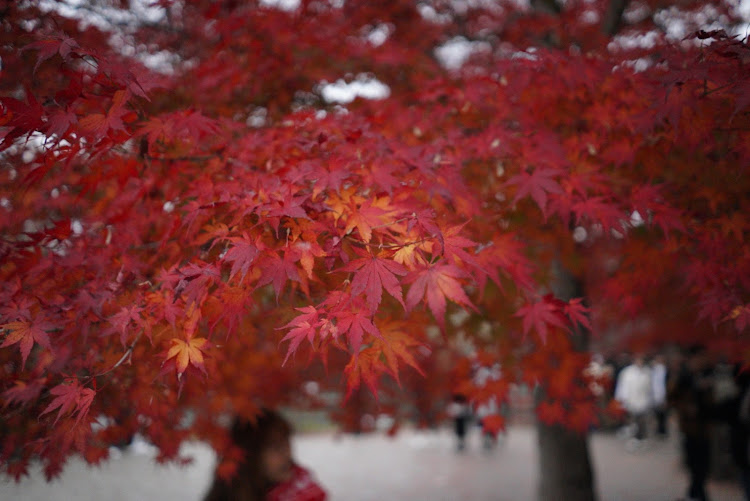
{"type": "Point", "coordinates": [267, 470]}
{"type": "Point", "coordinates": [460, 411]}
{"type": "Point", "coordinates": [634, 392]}
{"type": "Point", "coordinates": [691, 395]}
{"type": "Point", "coordinates": [618, 363]}
{"type": "Point", "coordinates": [488, 412]}
{"type": "Point", "coordinates": [740, 434]}
{"type": "Point", "coordinates": [659, 392]}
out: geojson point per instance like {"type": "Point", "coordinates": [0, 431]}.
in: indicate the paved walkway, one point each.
{"type": "Point", "coordinates": [413, 466]}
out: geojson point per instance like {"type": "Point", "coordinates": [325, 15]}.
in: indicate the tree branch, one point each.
{"type": "Point", "coordinates": [612, 21]}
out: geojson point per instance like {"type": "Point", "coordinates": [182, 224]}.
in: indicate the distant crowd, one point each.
{"type": "Point", "coordinates": [710, 399]}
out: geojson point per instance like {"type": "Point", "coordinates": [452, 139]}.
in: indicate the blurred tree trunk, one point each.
{"type": "Point", "coordinates": [565, 470]}
{"type": "Point", "coordinates": [564, 466]}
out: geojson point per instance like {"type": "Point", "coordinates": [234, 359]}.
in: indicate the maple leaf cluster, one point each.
{"type": "Point", "coordinates": [185, 241]}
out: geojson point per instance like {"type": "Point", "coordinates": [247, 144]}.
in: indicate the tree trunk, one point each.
{"type": "Point", "coordinates": [565, 470]}
{"type": "Point", "coordinates": [564, 466]}
{"type": "Point", "coordinates": [613, 17]}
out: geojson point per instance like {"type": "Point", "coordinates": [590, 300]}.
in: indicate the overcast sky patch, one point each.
{"type": "Point", "coordinates": [287, 5]}
{"type": "Point", "coordinates": [456, 51]}
{"type": "Point", "coordinates": [364, 86]}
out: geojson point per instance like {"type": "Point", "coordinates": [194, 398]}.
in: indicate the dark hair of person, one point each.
{"type": "Point", "coordinates": [249, 482]}
{"type": "Point", "coordinates": [696, 349]}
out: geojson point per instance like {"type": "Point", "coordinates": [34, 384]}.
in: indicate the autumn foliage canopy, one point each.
{"type": "Point", "coordinates": [191, 226]}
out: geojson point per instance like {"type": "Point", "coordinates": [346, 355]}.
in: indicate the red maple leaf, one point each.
{"type": "Point", "coordinates": [598, 210]}
{"type": "Point", "coordinates": [289, 206]}
{"type": "Point", "coordinates": [235, 302]}
{"type": "Point", "coordinates": [381, 174]}
{"type": "Point", "coordinates": [121, 321]}
{"type": "Point", "coordinates": [170, 126]}
{"type": "Point", "coordinates": [193, 281]}
{"type": "Point", "coordinates": [537, 184]}
{"type": "Point", "coordinates": [21, 117]}
{"type": "Point", "coordinates": [505, 252]}
{"type": "Point", "coordinates": [425, 219]}
{"type": "Point", "coordinates": [195, 124]}
{"type": "Point", "coordinates": [50, 47]}
{"type": "Point", "coordinates": [303, 326]}
{"type": "Point", "coordinates": [650, 204]}
{"type": "Point", "coordinates": [164, 306]}
{"type": "Point", "coordinates": [551, 412]}
{"type": "Point", "coordinates": [354, 324]}
{"type": "Point", "coordinates": [70, 397]}
{"type": "Point", "coordinates": [100, 124]}
{"type": "Point", "coordinates": [16, 309]}
{"type": "Point", "coordinates": [277, 271]}
{"type": "Point", "coordinates": [326, 177]}
{"type": "Point", "coordinates": [539, 315]}
{"type": "Point", "coordinates": [25, 334]}
{"type": "Point", "coordinates": [373, 274]}
{"type": "Point", "coordinates": [577, 312]}
{"type": "Point", "coordinates": [436, 283]}
{"type": "Point", "coordinates": [58, 123]}
{"type": "Point", "coordinates": [241, 255]}
{"type": "Point", "coordinates": [454, 244]}
{"type": "Point", "coordinates": [22, 392]}
{"type": "Point", "coordinates": [493, 424]}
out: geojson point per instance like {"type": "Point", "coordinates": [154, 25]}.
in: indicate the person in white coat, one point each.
{"type": "Point", "coordinates": [634, 391]}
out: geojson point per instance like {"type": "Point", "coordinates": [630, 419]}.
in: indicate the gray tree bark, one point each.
{"type": "Point", "coordinates": [612, 21]}
{"type": "Point", "coordinates": [565, 470]}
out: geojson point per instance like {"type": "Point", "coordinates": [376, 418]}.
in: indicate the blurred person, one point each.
{"type": "Point", "coordinates": [485, 411]}
{"type": "Point", "coordinates": [659, 392]}
{"type": "Point", "coordinates": [634, 392]}
{"type": "Point", "coordinates": [725, 401]}
{"type": "Point", "coordinates": [740, 434]}
{"type": "Point", "coordinates": [267, 470]}
{"type": "Point", "coordinates": [618, 363]}
{"type": "Point", "coordinates": [691, 395]}
{"type": "Point", "coordinates": [460, 411]}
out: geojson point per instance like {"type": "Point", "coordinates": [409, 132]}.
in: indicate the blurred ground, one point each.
{"type": "Point", "coordinates": [413, 466]}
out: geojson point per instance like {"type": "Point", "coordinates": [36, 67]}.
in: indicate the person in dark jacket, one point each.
{"type": "Point", "coordinates": [460, 411]}
{"type": "Point", "coordinates": [740, 429]}
{"type": "Point", "coordinates": [690, 393]}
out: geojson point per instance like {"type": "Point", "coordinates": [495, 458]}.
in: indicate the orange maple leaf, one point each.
{"type": "Point", "coordinates": [188, 352]}
{"type": "Point", "coordinates": [307, 252]}
{"type": "Point", "coordinates": [411, 255]}
{"type": "Point", "coordinates": [366, 366]}
{"type": "Point", "coordinates": [381, 356]}
{"type": "Point", "coordinates": [395, 344]}
{"type": "Point", "coordinates": [340, 201]}
{"type": "Point", "coordinates": [369, 215]}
